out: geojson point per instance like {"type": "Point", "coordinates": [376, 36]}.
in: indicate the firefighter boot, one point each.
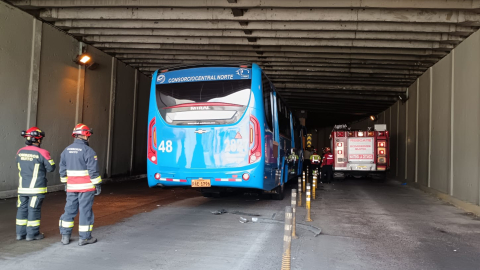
{"type": "Point", "coordinates": [65, 239]}
{"type": "Point", "coordinates": [39, 236]}
{"type": "Point", "coordinates": [20, 237]}
{"type": "Point", "coordinates": [83, 242]}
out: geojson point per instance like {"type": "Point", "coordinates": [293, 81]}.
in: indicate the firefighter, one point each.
{"type": "Point", "coordinates": [79, 170]}
{"type": "Point", "coordinates": [314, 160]}
{"type": "Point", "coordinates": [33, 164]}
{"type": "Point", "coordinates": [327, 165]}
{"type": "Point", "coordinates": [292, 160]}
{"type": "Point", "coordinates": [306, 162]}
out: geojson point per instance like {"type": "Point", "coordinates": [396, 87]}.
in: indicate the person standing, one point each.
{"type": "Point", "coordinates": [33, 164]}
{"type": "Point", "coordinates": [314, 161]}
{"type": "Point", "coordinates": [327, 165]}
{"type": "Point", "coordinates": [79, 170]}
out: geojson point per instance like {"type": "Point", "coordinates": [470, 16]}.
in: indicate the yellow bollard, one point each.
{"type": "Point", "coordinates": [299, 191]}
{"type": "Point", "coordinates": [303, 189]}
{"type": "Point", "coordinates": [308, 204]}
{"type": "Point", "coordinates": [294, 210]}
{"type": "Point", "coordinates": [287, 239]}
{"type": "Point", "coordinates": [314, 186]}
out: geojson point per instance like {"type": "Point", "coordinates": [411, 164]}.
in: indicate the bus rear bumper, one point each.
{"type": "Point", "coordinates": [236, 179]}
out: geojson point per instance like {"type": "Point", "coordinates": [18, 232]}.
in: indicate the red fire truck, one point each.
{"type": "Point", "coordinates": [360, 153]}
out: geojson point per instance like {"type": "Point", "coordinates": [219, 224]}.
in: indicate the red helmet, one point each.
{"type": "Point", "coordinates": [327, 149]}
{"type": "Point", "coordinates": [33, 134]}
{"type": "Point", "coordinates": [81, 129]}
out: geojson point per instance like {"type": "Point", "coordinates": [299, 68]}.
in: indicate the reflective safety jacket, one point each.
{"type": "Point", "coordinates": [293, 157]}
{"type": "Point", "coordinates": [327, 159]}
{"type": "Point", "coordinates": [79, 167]}
{"type": "Point", "coordinates": [33, 165]}
{"type": "Point", "coordinates": [315, 159]}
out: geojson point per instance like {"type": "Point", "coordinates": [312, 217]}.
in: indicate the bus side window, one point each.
{"type": "Point", "coordinates": [267, 97]}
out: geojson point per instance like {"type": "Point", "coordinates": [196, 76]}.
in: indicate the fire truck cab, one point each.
{"type": "Point", "coordinates": [360, 153]}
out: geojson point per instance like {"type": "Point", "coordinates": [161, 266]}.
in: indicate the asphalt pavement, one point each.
{"type": "Point", "coordinates": [365, 225]}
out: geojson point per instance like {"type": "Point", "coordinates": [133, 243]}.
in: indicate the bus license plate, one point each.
{"type": "Point", "coordinates": [201, 183]}
{"type": "Point", "coordinates": [362, 167]}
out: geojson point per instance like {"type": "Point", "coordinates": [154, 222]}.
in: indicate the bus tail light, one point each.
{"type": "Point", "coordinates": [381, 144]}
{"type": "Point", "coordinates": [340, 133]}
{"type": "Point", "coordinates": [158, 176]}
{"type": "Point", "coordinates": [152, 139]}
{"type": "Point", "coordinates": [255, 141]}
{"type": "Point", "coordinates": [360, 133]}
{"type": "Point", "coordinates": [246, 176]}
{"type": "Point", "coordinates": [382, 160]}
{"type": "Point", "coordinates": [371, 134]}
{"type": "Point", "coordinates": [380, 133]}
{"type": "Point", "coordinates": [351, 134]}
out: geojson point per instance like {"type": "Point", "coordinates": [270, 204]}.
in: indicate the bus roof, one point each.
{"type": "Point", "coordinates": [197, 65]}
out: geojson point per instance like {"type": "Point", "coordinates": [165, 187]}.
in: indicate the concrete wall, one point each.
{"type": "Point", "coordinates": [141, 126]}
{"type": "Point", "coordinates": [439, 129]}
{"type": "Point", "coordinates": [41, 85]}
{"type": "Point", "coordinates": [15, 67]}
{"type": "Point", "coordinates": [57, 95]}
{"type": "Point", "coordinates": [123, 121]}
{"type": "Point", "coordinates": [411, 132]}
{"type": "Point", "coordinates": [96, 104]}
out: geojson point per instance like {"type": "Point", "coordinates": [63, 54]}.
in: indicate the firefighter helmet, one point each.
{"type": "Point", "coordinates": [82, 129]}
{"type": "Point", "coordinates": [33, 134]}
{"type": "Point", "coordinates": [327, 149]}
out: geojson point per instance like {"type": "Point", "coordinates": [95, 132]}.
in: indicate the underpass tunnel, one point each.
{"type": "Point", "coordinates": [413, 65]}
{"type": "Point", "coordinates": [404, 72]}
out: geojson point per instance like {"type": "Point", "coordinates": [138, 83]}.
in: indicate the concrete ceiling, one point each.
{"type": "Point", "coordinates": [345, 59]}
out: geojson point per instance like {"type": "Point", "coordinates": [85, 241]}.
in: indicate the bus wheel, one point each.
{"type": "Point", "coordinates": [279, 193]}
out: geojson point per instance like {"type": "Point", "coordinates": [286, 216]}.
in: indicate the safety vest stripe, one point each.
{"type": "Point", "coordinates": [85, 228]}
{"type": "Point", "coordinates": [77, 173]}
{"type": "Point", "coordinates": [63, 179]}
{"type": "Point", "coordinates": [80, 186]}
{"type": "Point", "coordinates": [35, 175]}
{"type": "Point", "coordinates": [18, 201]}
{"type": "Point", "coordinates": [66, 224]}
{"type": "Point", "coordinates": [97, 180]}
{"type": "Point", "coordinates": [32, 190]}
{"type": "Point", "coordinates": [21, 222]}
{"type": "Point", "coordinates": [51, 162]}
{"type": "Point", "coordinates": [19, 176]}
{"type": "Point", "coordinates": [33, 201]}
{"type": "Point", "coordinates": [33, 223]}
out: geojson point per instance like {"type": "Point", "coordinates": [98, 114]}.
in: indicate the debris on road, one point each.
{"type": "Point", "coordinates": [315, 230]}
{"type": "Point", "coordinates": [244, 214]}
{"type": "Point", "coordinates": [243, 220]}
{"type": "Point", "coordinates": [219, 212]}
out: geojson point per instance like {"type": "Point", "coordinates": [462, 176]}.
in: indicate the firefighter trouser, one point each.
{"type": "Point", "coordinates": [327, 173]}
{"type": "Point", "coordinates": [76, 201]}
{"type": "Point", "coordinates": [28, 214]}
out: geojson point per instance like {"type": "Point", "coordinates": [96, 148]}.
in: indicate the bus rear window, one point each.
{"type": "Point", "coordinates": [203, 103]}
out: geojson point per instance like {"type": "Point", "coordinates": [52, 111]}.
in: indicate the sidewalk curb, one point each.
{"type": "Point", "coordinates": [466, 206]}
{"type": "Point", "coordinates": [13, 193]}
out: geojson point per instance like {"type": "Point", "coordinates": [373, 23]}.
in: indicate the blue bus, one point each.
{"type": "Point", "coordinates": [221, 127]}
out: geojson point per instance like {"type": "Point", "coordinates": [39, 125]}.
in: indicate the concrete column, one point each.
{"type": "Point", "coordinates": [398, 120]}
{"type": "Point", "coordinates": [416, 131]}
{"type": "Point", "coordinates": [80, 88]}
{"type": "Point", "coordinates": [111, 115]}
{"type": "Point", "coordinates": [34, 74]}
{"type": "Point", "coordinates": [430, 129]}
{"type": "Point", "coordinates": [452, 95]}
{"type": "Point", "coordinates": [406, 138]}
{"type": "Point", "coordinates": [134, 118]}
